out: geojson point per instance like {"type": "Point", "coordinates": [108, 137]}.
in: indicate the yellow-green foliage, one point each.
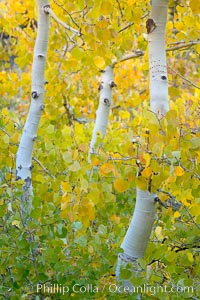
{"type": "Point", "coordinates": [90, 205]}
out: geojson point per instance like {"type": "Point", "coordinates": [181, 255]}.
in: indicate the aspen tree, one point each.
{"type": "Point", "coordinates": [137, 237]}
{"type": "Point", "coordinates": [25, 149]}
{"type": "Point", "coordinates": [102, 113]}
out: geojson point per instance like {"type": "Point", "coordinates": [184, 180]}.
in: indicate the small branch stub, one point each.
{"type": "Point", "coordinates": [150, 25]}
{"type": "Point", "coordinates": [42, 107]}
{"type": "Point", "coordinates": [27, 185]}
{"type": "Point", "coordinates": [106, 101]}
{"type": "Point", "coordinates": [157, 200]}
{"type": "Point", "coordinates": [112, 84]}
{"type": "Point", "coordinates": [100, 87]}
{"type": "Point", "coordinates": [35, 95]}
{"type": "Point", "coordinates": [46, 8]}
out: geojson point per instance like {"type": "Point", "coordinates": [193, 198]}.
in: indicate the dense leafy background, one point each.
{"type": "Point", "coordinates": [81, 211]}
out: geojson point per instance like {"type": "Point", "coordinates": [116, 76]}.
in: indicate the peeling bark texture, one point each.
{"type": "Point", "coordinates": [102, 113]}
{"type": "Point", "coordinates": [137, 237]}
{"type": "Point", "coordinates": [25, 149]}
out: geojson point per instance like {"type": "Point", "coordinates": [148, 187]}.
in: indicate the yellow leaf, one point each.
{"type": "Point", "coordinates": [190, 257]}
{"type": "Point", "coordinates": [4, 112]}
{"type": "Point", "coordinates": [115, 219]}
{"type": "Point", "coordinates": [146, 172]}
{"type": "Point", "coordinates": [141, 183]}
{"type": "Point", "coordinates": [16, 223]}
{"type": "Point", "coordinates": [106, 7]}
{"type": "Point", "coordinates": [147, 157]}
{"type": "Point", "coordinates": [121, 185]}
{"type": "Point", "coordinates": [40, 178]}
{"type": "Point", "coordinates": [170, 211]}
{"type": "Point", "coordinates": [83, 148]}
{"type": "Point", "coordinates": [130, 2]}
{"type": "Point", "coordinates": [99, 62]}
{"type": "Point", "coordinates": [6, 139]}
{"type": "Point", "coordinates": [195, 210]}
{"type": "Point", "coordinates": [95, 161]}
{"type": "Point", "coordinates": [158, 231]}
{"type": "Point", "coordinates": [74, 167]}
{"type": "Point", "coordinates": [179, 171]}
{"type": "Point", "coordinates": [65, 202]}
{"type": "Point", "coordinates": [131, 177]}
{"type": "Point", "coordinates": [124, 114]}
{"type": "Point", "coordinates": [84, 184]}
{"type": "Point", "coordinates": [195, 6]}
{"type": "Point", "coordinates": [90, 249]}
{"type": "Point", "coordinates": [106, 168]}
{"type": "Point", "coordinates": [177, 214]}
{"type": "Point", "coordinates": [66, 186]}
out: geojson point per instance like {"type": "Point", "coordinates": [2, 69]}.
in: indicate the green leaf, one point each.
{"type": "Point", "coordinates": [74, 167]}
{"type": "Point", "coordinates": [77, 225]}
{"type": "Point", "coordinates": [81, 241]}
{"type": "Point", "coordinates": [102, 229]}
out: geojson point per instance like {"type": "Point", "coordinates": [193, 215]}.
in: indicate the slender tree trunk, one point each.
{"type": "Point", "coordinates": [137, 236]}
{"type": "Point", "coordinates": [25, 149]}
{"type": "Point", "coordinates": [103, 110]}
{"type": "Point", "coordinates": [157, 57]}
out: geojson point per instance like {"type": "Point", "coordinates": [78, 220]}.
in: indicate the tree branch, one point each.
{"type": "Point", "coordinates": [120, 9]}
{"type": "Point", "coordinates": [183, 45]}
{"type": "Point", "coordinates": [139, 53]}
{"type": "Point", "coordinates": [189, 81]}
{"type": "Point", "coordinates": [68, 12]}
{"type": "Point", "coordinates": [135, 54]}
{"type": "Point", "coordinates": [52, 14]}
{"type": "Point", "coordinates": [43, 168]}
{"type": "Point", "coordinates": [126, 27]}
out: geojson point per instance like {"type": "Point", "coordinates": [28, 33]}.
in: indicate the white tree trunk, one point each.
{"type": "Point", "coordinates": [25, 149]}
{"type": "Point", "coordinates": [157, 57]}
{"type": "Point", "coordinates": [103, 110]}
{"type": "Point", "coordinates": [137, 236]}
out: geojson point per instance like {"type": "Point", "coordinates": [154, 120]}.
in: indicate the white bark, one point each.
{"type": "Point", "coordinates": [25, 149]}
{"type": "Point", "coordinates": [103, 110]}
{"type": "Point", "coordinates": [137, 236]}
{"type": "Point", "coordinates": [157, 58]}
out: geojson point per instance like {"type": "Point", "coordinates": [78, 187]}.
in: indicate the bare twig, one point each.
{"type": "Point", "coordinates": [126, 27]}
{"type": "Point", "coordinates": [43, 168]}
{"type": "Point", "coordinates": [127, 57]}
{"type": "Point", "coordinates": [52, 14]}
{"type": "Point", "coordinates": [181, 45]}
{"type": "Point", "coordinates": [171, 202]}
{"type": "Point", "coordinates": [139, 53]}
{"type": "Point", "coordinates": [67, 12]}
{"type": "Point", "coordinates": [120, 9]}
{"type": "Point", "coordinates": [191, 217]}
{"type": "Point", "coordinates": [130, 23]}
{"type": "Point", "coordinates": [2, 129]}
{"type": "Point", "coordinates": [189, 81]}
{"type": "Point", "coordinates": [121, 158]}
{"type": "Point", "coordinates": [70, 113]}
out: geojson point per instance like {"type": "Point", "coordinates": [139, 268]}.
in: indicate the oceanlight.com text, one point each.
{"type": "Point", "coordinates": [112, 289]}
